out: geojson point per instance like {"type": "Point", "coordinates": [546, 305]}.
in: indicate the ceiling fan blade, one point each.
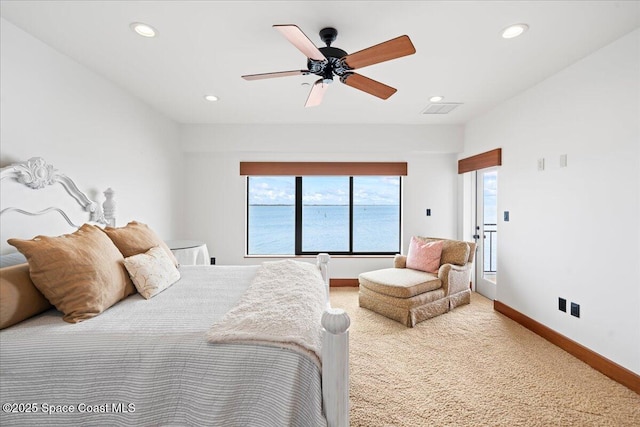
{"type": "Point", "coordinates": [368, 85]}
{"type": "Point", "coordinates": [277, 74]}
{"type": "Point", "coordinates": [301, 41]}
{"type": "Point", "coordinates": [391, 49]}
{"type": "Point", "coordinates": [317, 93]}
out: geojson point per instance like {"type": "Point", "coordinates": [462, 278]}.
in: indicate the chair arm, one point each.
{"type": "Point", "coordinates": [455, 278]}
{"type": "Point", "coordinates": [400, 261]}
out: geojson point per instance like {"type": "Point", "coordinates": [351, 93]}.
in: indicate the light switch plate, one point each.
{"type": "Point", "coordinates": [541, 164]}
{"type": "Point", "coordinates": [563, 160]}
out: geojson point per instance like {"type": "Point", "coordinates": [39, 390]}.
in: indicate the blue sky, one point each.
{"type": "Point", "coordinates": [272, 190]}
{"type": "Point", "coordinates": [331, 190]}
{"type": "Point", "coordinates": [490, 197]}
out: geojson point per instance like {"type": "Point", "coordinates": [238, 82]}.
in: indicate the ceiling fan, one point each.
{"type": "Point", "coordinates": [329, 61]}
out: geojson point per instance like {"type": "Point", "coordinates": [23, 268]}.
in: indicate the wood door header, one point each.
{"type": "Point", "coordinates": [480, 161]}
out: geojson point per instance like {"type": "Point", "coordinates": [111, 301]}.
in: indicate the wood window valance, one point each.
{"type": "Point", "coordinates": [480, 161]}
{"type": "Point", "coordinates": [323, 168]}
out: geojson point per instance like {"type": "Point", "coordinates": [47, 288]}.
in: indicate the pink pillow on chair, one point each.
{"type": "Point", "coordinates": [424, 256]}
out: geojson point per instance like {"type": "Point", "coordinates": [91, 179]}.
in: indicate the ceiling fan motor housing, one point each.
{"type": "Point", "coordinates": [333, 65]}
{"type": "Point", "coordinates": [328, 35]}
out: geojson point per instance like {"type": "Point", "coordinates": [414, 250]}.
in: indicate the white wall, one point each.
{"type": "Point", "coordinates": [89, 129]}
{"type": "Point", "coordinates": [573, 231]}
{"type": "Point", "coordinates": [216, 193]}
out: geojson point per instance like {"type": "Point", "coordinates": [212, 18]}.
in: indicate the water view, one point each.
{"type": "Point", "coordinates": [325, 202]}
{"type": "Point", "coordinates": [325, 228]}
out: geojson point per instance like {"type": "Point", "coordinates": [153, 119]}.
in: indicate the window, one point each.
{"type": "Point", "coordinates": [271, 215]}
{"type": "Point", "coordinates": [376, 214]}
{"type": "Point", "coordinates": [311, 214]}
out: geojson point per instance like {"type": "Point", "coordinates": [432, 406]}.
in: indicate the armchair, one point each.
{"type": "Point", "coordinates": [410, 295]}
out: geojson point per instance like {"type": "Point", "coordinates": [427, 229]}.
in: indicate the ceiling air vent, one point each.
{"type": "Point", "coordinates": [440, 107]}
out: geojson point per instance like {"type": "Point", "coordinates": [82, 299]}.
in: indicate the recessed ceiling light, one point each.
{"type": "Point", "coordinates": [514, 30]}
{"type": "Point", "coordinates": [211, 98]}
{"type": "Point", "coordinates": [436, 98]}
{"type": "Point", "coordinates": [142, 29]}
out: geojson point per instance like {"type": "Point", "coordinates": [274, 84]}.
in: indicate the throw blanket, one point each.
{"type": "Point", "coordinates": [282, 308]}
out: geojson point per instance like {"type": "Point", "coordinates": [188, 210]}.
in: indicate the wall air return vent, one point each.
{"type": "Point", "coordinates": [440, 107]}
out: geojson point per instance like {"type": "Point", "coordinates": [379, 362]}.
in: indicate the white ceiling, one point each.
{"type": "Point", "coordinates": [205, 46]}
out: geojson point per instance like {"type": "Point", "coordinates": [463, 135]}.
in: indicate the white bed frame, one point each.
{"type": "Point", "coordinates": [36, 173]}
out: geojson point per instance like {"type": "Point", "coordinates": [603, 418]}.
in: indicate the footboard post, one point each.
{"type": "Point", "coordinates": [335, 366]}
{"type": "Point", "coordinates": [323, 264]}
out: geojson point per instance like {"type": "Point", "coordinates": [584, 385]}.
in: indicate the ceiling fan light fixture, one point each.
{"type": "Point", "coordinates": [142, 29]}
{"type": "Point", "coordinates": [329, 62]}
{"type": "Point", "coordinates": [436, 98]}
{"type": "Point", "coordinates": [513, 31]}
{"type": "Point", "coordinates": [211, 98]}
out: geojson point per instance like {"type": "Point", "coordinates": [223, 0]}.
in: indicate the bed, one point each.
{"type": "Point", "coordinates": [254, 345]}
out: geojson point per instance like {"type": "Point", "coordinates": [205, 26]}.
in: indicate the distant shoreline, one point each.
{"type": "Point", "coordinates": [315, 205]}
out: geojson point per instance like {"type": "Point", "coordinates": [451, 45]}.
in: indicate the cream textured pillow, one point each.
{"type": "Point", "coordinates": [152, 272]}
{"type": "Point", "coordinates": [19, 298]}
{"type": "Point", "coordinates": [81, 273]}
{"type": "Point", "coordinates": [137, 238]}
{"type": "Point", "coordinates": [424, 256]}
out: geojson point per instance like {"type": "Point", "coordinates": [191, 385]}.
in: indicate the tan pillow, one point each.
{"type": "Point", "coordinates": [137, 238]}
{"type": "Point", "coordinates": [151, 272]}
{"type": "Point", "coordinates": [453, 251]}
{"type": "Point", "coordinates": [19, 298]}
{"type": "Point", "coordinates": [81, 274]}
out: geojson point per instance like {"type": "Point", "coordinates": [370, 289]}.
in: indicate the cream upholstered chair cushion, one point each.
{"type": "Point", "coordinates": [401, 283]}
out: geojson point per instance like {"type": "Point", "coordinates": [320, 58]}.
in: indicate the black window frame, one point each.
{"type": "Point", "coordinates": [298, 223]}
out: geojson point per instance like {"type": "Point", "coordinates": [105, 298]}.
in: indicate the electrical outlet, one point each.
{"type": "Point", "coordinates": [562, 304]}
{"type": "Point", "coordinates": [575, 309]}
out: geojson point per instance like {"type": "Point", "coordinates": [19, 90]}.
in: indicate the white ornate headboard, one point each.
{"type": "Point", "coordinates": [37, 174]}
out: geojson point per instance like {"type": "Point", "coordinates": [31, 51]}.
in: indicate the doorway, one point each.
{"type": "Point", "coordinates": [486, 232]}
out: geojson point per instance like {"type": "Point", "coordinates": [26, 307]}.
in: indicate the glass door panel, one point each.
{"type": "Point", "coordinates": [487, 232]}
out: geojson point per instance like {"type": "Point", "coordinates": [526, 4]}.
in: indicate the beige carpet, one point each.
{"type": "Point", "coordinates": [472, 367]}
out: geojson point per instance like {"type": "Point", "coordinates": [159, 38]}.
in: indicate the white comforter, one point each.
{"type": "Point", "coordinates": [147, 362]}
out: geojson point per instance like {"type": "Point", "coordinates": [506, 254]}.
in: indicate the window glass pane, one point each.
{"type": "Point", "coordinates": [376, 214]}
{"type": "Point", "coordinates": [490, 193]}
{"type": "Point", "coordinates": [271, 217]}
{"type": "Point", "coordinates": [325, 214]}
